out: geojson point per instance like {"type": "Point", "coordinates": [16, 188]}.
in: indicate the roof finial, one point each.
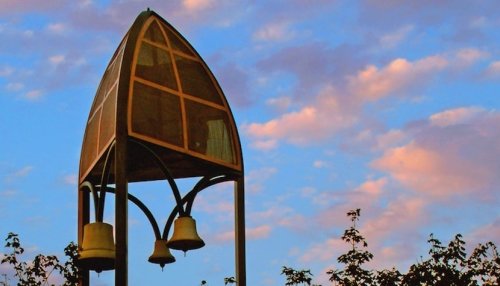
{"type": "Point", "coordinates": [148, 9]}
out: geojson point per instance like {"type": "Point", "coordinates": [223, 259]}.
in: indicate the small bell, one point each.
{"type": "Point", "coordinates": [161, 254]}
{"type": "Point", "coordinates": [185, 236]}
{"type": "Point", "coordinates": [98, 247]}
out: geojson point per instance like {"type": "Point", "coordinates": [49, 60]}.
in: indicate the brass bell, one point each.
{"type": "Point", "coordinates": [185, 236]}
{"type": "Point", "coordinates": [98, 247]}
{"type": "Point", "coordinates": [161, 254]}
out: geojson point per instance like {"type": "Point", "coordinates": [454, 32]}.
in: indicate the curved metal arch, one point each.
{"type": "Point", "coordinates": [104, 182]}
{"type": "Point", "coordinates": [204, 183]}
{"type": "Point", "coordinates": [142, 206]}
{"type": "Point", "coordinates": [95, 196]}
{"type": "Point", "coordinates": [165, 171]}
{"type": "Point", "coordinates": [188, 199]}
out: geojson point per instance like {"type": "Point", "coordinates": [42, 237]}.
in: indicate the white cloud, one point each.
{"type": "Point", "coordinates": [320, 164]}
{"type": "Point", "coordinates": [393, 39]}
{"type": "Point", "coordinates": [280, 103]}
{"type": "Point", "coordinates": [57, 59]}
{"type": "Point", "coordinates": [21, 173]}
{"type": "Point", "coordinates": [8, 193]}
{"type": "Point", "coordinates": [454, 116]}
{"type": "Point", "coordinates": [71, 179]}
{"type": "Point", "coordinates": [33, 95]}
{"type": "Point", "coordinates": [6, 71]}
{"type": "Point", "coordinates": [278, 31]}
{"type": "Point", "coordinates": [28, 33]}
{"type": "Point", "coordinates": [56, 28]}
{"type": "Point", "coordinates": [14, 86]}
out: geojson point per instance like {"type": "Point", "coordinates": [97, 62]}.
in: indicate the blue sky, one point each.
{"type": "Point", "coordinates": [387, 106]}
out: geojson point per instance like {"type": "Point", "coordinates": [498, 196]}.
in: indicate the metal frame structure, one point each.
{"type": "Point", "coordinates": [118, 150]}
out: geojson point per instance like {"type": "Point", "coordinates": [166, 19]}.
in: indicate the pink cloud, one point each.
{"type": "Point", "coordinates": [196, 5]}
{"type": "Point", "coordinates": [451, 154]}
{"type": "Point", "coordinates": [258, 232]}
{"type": "Point", "coordinates": [389, 230]}
{"type": "Point", "coordinates": [485, 233]}
{"type": "Point", "coordinates": [427, 171]}
{"type": "Point", "coordinates": [373, 187]}
{"type": "Point", "coordinates": [390, 138]}
{"type": "Point", "coordinates": [327, 250]}
{"type": "Point", "coordinates": [335, 109]}
{"type": "Point", "coordinates": [493, 69]}
{"type": "Point", "coordinates": [400, 74]}
{"type": "Point", "coordinates": [327, 115]}
{"type": "Point", "coordinates": [468, 56]}
{"type": "Point", "coordinates": [402, 215]}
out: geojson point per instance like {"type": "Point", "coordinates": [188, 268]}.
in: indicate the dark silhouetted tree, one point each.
{"type": "Point", "coordinates": [353, 274]}
{"type": "Point", "coordinates": [229, 280]}
{"type": "Point", "coordinates": [38, 271]}
{"type": "Point", "coordinates": [450, 266]}
{"type": "Point", "coordinates": [297, 277]}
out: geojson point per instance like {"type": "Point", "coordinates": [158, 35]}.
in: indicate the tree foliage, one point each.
{"type": "Point", "coordinates": [297, 277]}
{"type": "Point", "coordinates": [229, 280]}
{"type": "Point", "coordinates": [447, 265]}
{"type": "Point", "coordinates": [450, 266]}
{"type": "Point", "coordinates": [38, 271]}
{"type": "Point", "coordinates": [353, 273]}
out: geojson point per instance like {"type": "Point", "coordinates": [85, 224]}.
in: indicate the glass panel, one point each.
{"type": "Point", "coordinates": [208, 131]}
{"type": "Point", "coordinates": [108, 119]}
{"type": "Point", "coordinates": [157, 114]}
{"type": "Point", "coordinates": [176, 43]}
{"type": "Point", "coordinates": [196, 81]}
{"type": "Point", "coordinates": [154, 34]}
{"type": "Point", "coordinates": [154, 64]}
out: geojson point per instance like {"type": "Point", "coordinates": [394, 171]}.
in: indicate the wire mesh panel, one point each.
{"type": "Point", "coordinates": [101, 124]}
{"type": "Point", "coordinates": [173, 103]}
{"type": "Point", "coordinates": [176, 102]}
{"type": "Point", "coordinates": [157, 114]}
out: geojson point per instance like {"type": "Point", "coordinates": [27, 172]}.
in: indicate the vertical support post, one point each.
{"type": "Point", "coordinates": [121, 212]}
{"type": "Point", "coordinates": [83, 219]}
{"type": "Point", "coordinates": [239, 229]}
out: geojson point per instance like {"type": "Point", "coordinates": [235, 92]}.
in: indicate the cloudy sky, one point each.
{"type": "Point", "coordinates": [388, 106]}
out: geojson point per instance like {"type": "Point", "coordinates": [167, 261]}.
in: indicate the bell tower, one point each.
{"type": "Point", "coordinates": [158, 114]}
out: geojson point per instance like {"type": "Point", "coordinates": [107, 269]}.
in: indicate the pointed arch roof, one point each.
{"type": "Point", "coordinates": [157, 90]}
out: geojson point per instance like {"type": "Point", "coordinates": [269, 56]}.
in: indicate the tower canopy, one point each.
{"type": "Point", "coordinates": [158, 91]}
